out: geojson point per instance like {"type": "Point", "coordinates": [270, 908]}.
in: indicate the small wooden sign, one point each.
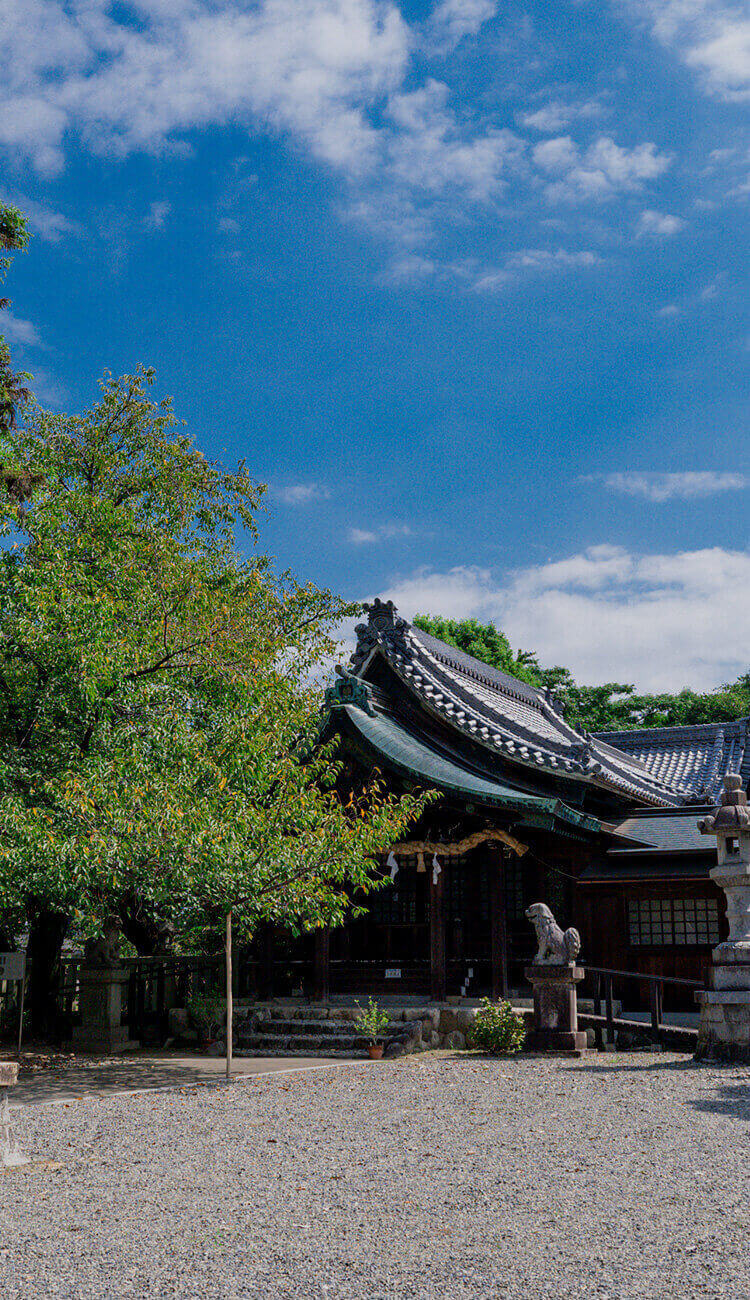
{"type": "Point", "coordinates": [12, 966]}
{"type": "Point", "coordinates": [393, 973]}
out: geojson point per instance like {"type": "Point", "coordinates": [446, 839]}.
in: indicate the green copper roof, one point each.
{"type": "Point", "coordinates": [405, 753]}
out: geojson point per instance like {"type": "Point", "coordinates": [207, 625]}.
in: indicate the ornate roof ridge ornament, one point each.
{"type": "Point", "coordinates": [385, 627]}
{"type": "Point", "coordinates": [349, 690]}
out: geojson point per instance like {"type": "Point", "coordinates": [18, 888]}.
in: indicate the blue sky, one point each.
{"type": "Point", "coordinates": [465, 282]}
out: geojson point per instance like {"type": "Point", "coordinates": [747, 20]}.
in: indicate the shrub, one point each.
{"type": "Point", "coordinates": [207, 1012]}
{"type": "Point", "coordinates": [497, 1029]}
{"type": "Point", "coordinates": [371, 1022]}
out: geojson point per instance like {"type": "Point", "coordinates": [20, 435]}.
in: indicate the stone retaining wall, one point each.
{"type": "Point", "coordinates": [412, 1029]}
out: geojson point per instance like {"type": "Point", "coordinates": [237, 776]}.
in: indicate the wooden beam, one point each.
{"type": "Point", "coordinates": [322, 989]}
{"type": "Point", "coordinates": [437, 936]}
{"type": "Point", "coordinates": [498, 924]}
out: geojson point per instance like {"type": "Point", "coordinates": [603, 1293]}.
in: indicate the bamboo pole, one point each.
{"type": "Point", "coordinates": [230, 1007]}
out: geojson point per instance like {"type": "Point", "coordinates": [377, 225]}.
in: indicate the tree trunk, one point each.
{"type": "Point", "coordinates": [47, 930]}
{"type": "Point", "coordinates": [230, 1003]}
{"type": "Point", "coordinates": [149, 934]}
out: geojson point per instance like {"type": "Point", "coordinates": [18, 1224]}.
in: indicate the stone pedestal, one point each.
{"type": "Point", "coordinates": [8, 1073]}
{"type": "Point", "coordinates": [556, 1009]}
{"type": "Point", "coordinates": [101, 1002]}
{"type": "Point", "coordinates": [10, 1156]}
{"type": "Point", "coordinates": [724, 1030]}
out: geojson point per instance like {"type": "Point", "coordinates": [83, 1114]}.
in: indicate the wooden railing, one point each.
{"type": "Point", "coordinates": [605, 982]}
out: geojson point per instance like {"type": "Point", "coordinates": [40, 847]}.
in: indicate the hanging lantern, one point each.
{"type": "Point", "coordinates": [421, 868]}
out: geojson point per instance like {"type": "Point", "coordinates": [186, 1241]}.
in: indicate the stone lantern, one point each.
{"type": "Point", "coordinates": [724, 1031]}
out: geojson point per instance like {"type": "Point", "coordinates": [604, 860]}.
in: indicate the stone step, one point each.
{"type": "Point", "coordinates": [325, 1052]}
{"type": "Point", "coordinates": [301, 1042]}
{"type": "Point", "coordinates": [328, 1028]}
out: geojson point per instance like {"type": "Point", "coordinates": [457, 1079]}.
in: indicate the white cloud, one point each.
{"type": "Point", "coordinates": [709, 35]}
{"type": "Point", "coordinates": [303, 494]}
{"type": "Point", "coordinates": [31, 125]}
{"type": "Point", "coordinates": [157, 215]}
{"type": "Point", "coordinates": [725, 59]}
{"type": "Point", "coordinates": [44, 221]}
{"type": "Point", "coordinates": [659, 223]}
{"type": "Point", "coordinates": [707, 294]}
{"type": "Point", "coordinates": [18, 331]}
{"type": "Point", "coordinates": [451, 20]}
{"type": "Point", "coordinates": [429, 151]}
{"type": "Point", "coordinates": [558, 116]}
{"type": "Point", "coordinates": [343, 80]}
{"type": "Point", "coordinates": [383, 533]}
{"type": "Point", "coordinates": [686, 486]}
{"type": "Point", "coordinates": [661, 621]}
{"type": "Point", "coordinates": [308, 67]}
{"type": "Point", "coordinates": [406, 270]}
{"type": "Point", "coordinates": [391, 216]}
{"type": "Point", "coordinates": [531, 262]}
{"type": "Point", "coordinates": [602, 170]}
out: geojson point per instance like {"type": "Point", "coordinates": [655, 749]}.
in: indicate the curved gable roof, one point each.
{"type": "Point", "coordinates": [508, 717]}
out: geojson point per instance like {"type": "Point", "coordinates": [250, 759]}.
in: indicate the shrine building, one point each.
{"type": "Point", "coordinates": [602, 828]}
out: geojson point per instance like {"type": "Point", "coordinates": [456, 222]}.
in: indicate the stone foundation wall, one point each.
{"type": "Point", "coordinates": [412, 1029]}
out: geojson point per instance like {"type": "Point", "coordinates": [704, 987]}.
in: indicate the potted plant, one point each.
{"type": "Point", "coordinates": [207, 1012]}
{"type": "Point", "coordinates": [372, 1023]}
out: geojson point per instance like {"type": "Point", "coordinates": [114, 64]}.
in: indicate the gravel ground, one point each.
{"type": "Point", "coordinates": [616, 1177]}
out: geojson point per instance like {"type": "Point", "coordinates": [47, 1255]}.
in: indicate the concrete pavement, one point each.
{"type": "Point", "coordinates": [146, 1071]}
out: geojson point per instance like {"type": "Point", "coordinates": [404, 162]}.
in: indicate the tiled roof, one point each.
{"type": "Point", "coordinates": [411, 754]}
{"type": "Point", "coordinates": [674, 831]}
{"type": "Point", "coordinates": [692, 760]}
{"type": "Point", "coordinates": [508, 717]}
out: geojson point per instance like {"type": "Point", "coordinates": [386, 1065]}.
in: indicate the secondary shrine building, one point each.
{"type": "Point", "coordinates": [602, 828]}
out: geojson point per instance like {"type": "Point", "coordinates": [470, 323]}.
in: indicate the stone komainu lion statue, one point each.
{"type": "Point", "coordinates": [104, 953]}
{"type": "Point", "coordinates": [556, 947]}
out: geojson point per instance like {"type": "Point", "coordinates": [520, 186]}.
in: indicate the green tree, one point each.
{"type": "Point", "coordinates": [14, 238]}
{"type": "Point", "coordinates": [612, 706]}
{"type": "Point", "coordinates": [158, 698]}
{"type": "Point", "coordinates": [484, 641]}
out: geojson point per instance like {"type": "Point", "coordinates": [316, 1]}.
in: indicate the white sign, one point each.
{"type": "Point", "coordinates": [12, 965]}
{"type": "Point", "coordinates": [393, 973]}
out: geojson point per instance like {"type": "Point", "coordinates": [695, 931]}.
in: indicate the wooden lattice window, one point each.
{"type": "Point", "coordinates": [673, 921]}
{"type": "Point", "coordinates": [403, 902]}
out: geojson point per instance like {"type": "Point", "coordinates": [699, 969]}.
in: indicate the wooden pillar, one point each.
{"type": "Point", "coordinates": [437, 936]}
{"type": "Point", "coordinates": [322, 985]}
{"type": "Point", "coordinates": [498, 927]}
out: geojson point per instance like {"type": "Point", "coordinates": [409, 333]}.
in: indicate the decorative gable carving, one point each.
{"type": "Point", "coordinates": [385, 627]}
